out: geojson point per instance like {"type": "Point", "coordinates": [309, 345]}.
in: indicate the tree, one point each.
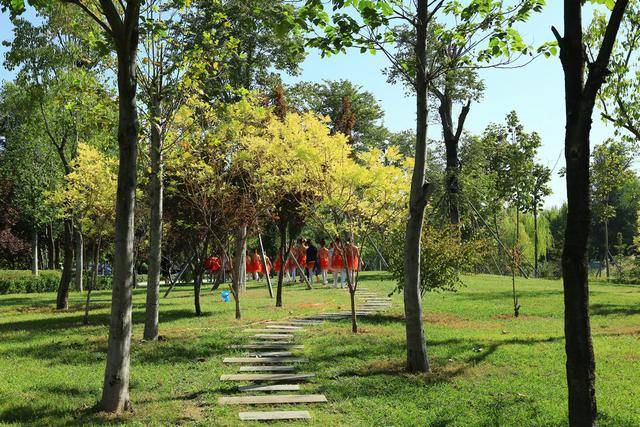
{"type": "Point", "coordinates": [540, 189]}
{"type": "Point", "coordinates": [582, 84]}
{"type": "Point", "coordinates": [371, 29]}
{"type": "Point", "coordinates": [329, 98]}
{"type": "Point", "coordinates": [618, 98]}
{"type": "Point", "coordinates": [57, 69]}
{"type": "Point", "coordinates": [610, 170]}
{"type": "Point", "coordinates": [513, 163]}
{"type": "Point", "coordinates": [28, 161]}
{"type": "Point", "coordinates": [88, 197]}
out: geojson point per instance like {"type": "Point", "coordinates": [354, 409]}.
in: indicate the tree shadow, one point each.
{"type": "Point", "coordinates": [613, 310]}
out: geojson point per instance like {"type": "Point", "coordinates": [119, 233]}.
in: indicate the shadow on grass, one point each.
{"type": "Point", "coordinates": [613, 309]}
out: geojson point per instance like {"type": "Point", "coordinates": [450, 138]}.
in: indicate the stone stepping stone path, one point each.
{"type": "Point", "coordinates": [274, 398]}
{"type": "Point", "coordinates": [258, 359]}
{"type": "Point", "coordinates": [270, 363]}
{"type": "Point", "coordinates": [274, 415]}
{"type": "Point", "coordinates": [267, 368]}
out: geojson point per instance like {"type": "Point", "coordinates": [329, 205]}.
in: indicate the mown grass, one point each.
{"type": "Point", "coordinates": [488, 368]}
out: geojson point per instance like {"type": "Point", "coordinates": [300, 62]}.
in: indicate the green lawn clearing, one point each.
{"type": "Point", "coordinates": [489, 368]}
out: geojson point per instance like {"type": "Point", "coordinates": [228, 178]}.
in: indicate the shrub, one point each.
{"type": "Point", "coordinates": [443, 258]}
{"type": "Point", "coordinates": [23, 282]}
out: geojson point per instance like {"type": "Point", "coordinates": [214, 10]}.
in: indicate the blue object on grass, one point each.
{"type": "Point", "coordinates": [225, 296]}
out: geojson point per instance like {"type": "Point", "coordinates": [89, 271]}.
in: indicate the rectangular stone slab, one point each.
{"type": "Point", "coordinates": [274, 415]}
{"type": "Point", "coordinates": [267, 368]}
{"type": "Point", "coordinates": [271, 331]}
{"type": "Point", "coordinates": [293, 328]}
{"type": "Point", "coordinates": [258, 359]}
{"type": "Point", "coordinates": [274, 336]}
{"type": "Point", "coordinates": [272, 399]}
{"type": "Point", "coordinates": [273, 387]}
{"type": "Point", "coordinates": [260, 346]}
{"type": "Point", "coordinates": [269, 354]}
{"type": "Point", "coordinates": [266, 377]}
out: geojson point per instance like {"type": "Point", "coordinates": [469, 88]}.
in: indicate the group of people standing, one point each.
{"type": "Point", "coordinates": [305, 260]}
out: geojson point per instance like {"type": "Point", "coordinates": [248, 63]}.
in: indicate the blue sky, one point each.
{"type": "Point", "coordinates": [536, 92]}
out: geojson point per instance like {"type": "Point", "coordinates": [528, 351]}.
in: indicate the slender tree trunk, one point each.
{"type": "Point", "coordinates": [56, 255]}
{"type": "Point", "coordinates": [34, 253]}
{"type": "Point", "coordinates": [239, 265]}
{"type": "Point", "coordinates": [283, 251]}
{"type": "Point", "coordinates": [115, 393]}
{"type": "Point", "coordinates": [417, 360]}
{"type": "Point", "coordinates": [535, 242]}
{"type": "Point", "coordinates": [62, 301]}
{"type": "Point", "coordinates": [155, 244]}
{"type": "Point", "coordinates": [197, 286]}
{"type": "Point", "coordinates": [580, 94]}
{"type": "Point", "coordinates": [50, 248]}
{"type": "Point", "coordinates": [606, 247]}
{"type": "Point", "coordinates": [354, 319]}
{"type": "Point", "coordinates": [451, 135]}
{"type": "Point", "coordinates": [94, 279]}
{"type": "Point", "coordinates": [516, 264]}
{"type": "Point", "coordinates": [264, 265]}
{"type": "Point", "coordinates": [79, 259]}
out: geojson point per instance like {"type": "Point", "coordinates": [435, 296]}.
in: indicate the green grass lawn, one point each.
{"type": "Point", "coordinates": [488, 368]}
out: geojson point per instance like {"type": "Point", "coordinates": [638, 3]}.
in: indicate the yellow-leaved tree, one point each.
{"type": "Point", "coordinates": [87, 197]}
{"type": "Point", "coordinates": [363, 195]}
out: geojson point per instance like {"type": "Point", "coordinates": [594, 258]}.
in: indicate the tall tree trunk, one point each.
{"type": "Point", "coordinates": [283, 252]}
{"type": "Point", "coordinates": [155, 244]}
{"type": "Point", "coordinates": [580, 97]}
{"type": "Point", "coordinates": [34, 252]}
{"type": "Point", "coordinates": [57, 252]}
{"type": "Point", "coordinates": [451, 136]}
{"type": "Point", "coordinates": [50, 248]}
{"type": "Point", "coordinates": [197, 286]}
{"type": "Point", "coordinates": [239, 265]}
{"type": "Point", "coordinates": [535, 242]}
{"type": "Point", "coordinates": [354, 318]}
{"type": "Point", "coordinates": [79, 259]}
{"type": "Point", "coordinates": [264, 266]}
{"type": "Point", "coordinates": [93, 282]}
{"type": "Point", "coordinates": [417, 360]}
{"type": "Point", "coordinates": [606, 247]}
{"type": "Point", "coordinates": [62, 300]}
{"type": "Point", "coordinates": [115, 393]}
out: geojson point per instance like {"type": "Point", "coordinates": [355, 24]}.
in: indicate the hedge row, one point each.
{"type": "Point", "coordinates": [23, 282]}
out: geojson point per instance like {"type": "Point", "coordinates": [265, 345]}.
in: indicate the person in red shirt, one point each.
{"type": "Point", "coordinates": [353, 260]}
{"type": "Point", "coordinates": [323, 259]}
{"type": "Point", "coordinates": [337, 263]}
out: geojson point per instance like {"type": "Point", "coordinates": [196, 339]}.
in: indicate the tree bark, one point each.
{"type": "Point", "coordinates": [264, 266]}
{"type": "Point", "coordinates": [115, 393]}
{"type": "Point", "coordinates": [417, 360]}
{"type": "Point", "coordinates": [535, 242]}
{"type": "Point", "coordinates": [56, 255]}
{"type": "Point", "coordinates": [50, 248]}
{"type": "Point", "coordinates": [197, 286]}
{"type": "Point", "coordinates": [354, 319]}
{"type": "Point", "coordinates": [62, 300]}
{"type": "Point", "coordinates": [283, 252]}
{"type": "Point", "coordinates": [34, 253]}
{"type": "Point", "coordinates": [579, 102]}
{"type": "Point", "coordinates": [79, 259]}
{"type": "Point", "coordinates": [451, 137]}
{"type": "Point", "coordinates": [155, 244]}
{"type": "Point", "coordinates": [239, 265]}
{"type": "Point", "coordinates": [606, 247]}
{"type": "Point", "coordinates": [93, 281]}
